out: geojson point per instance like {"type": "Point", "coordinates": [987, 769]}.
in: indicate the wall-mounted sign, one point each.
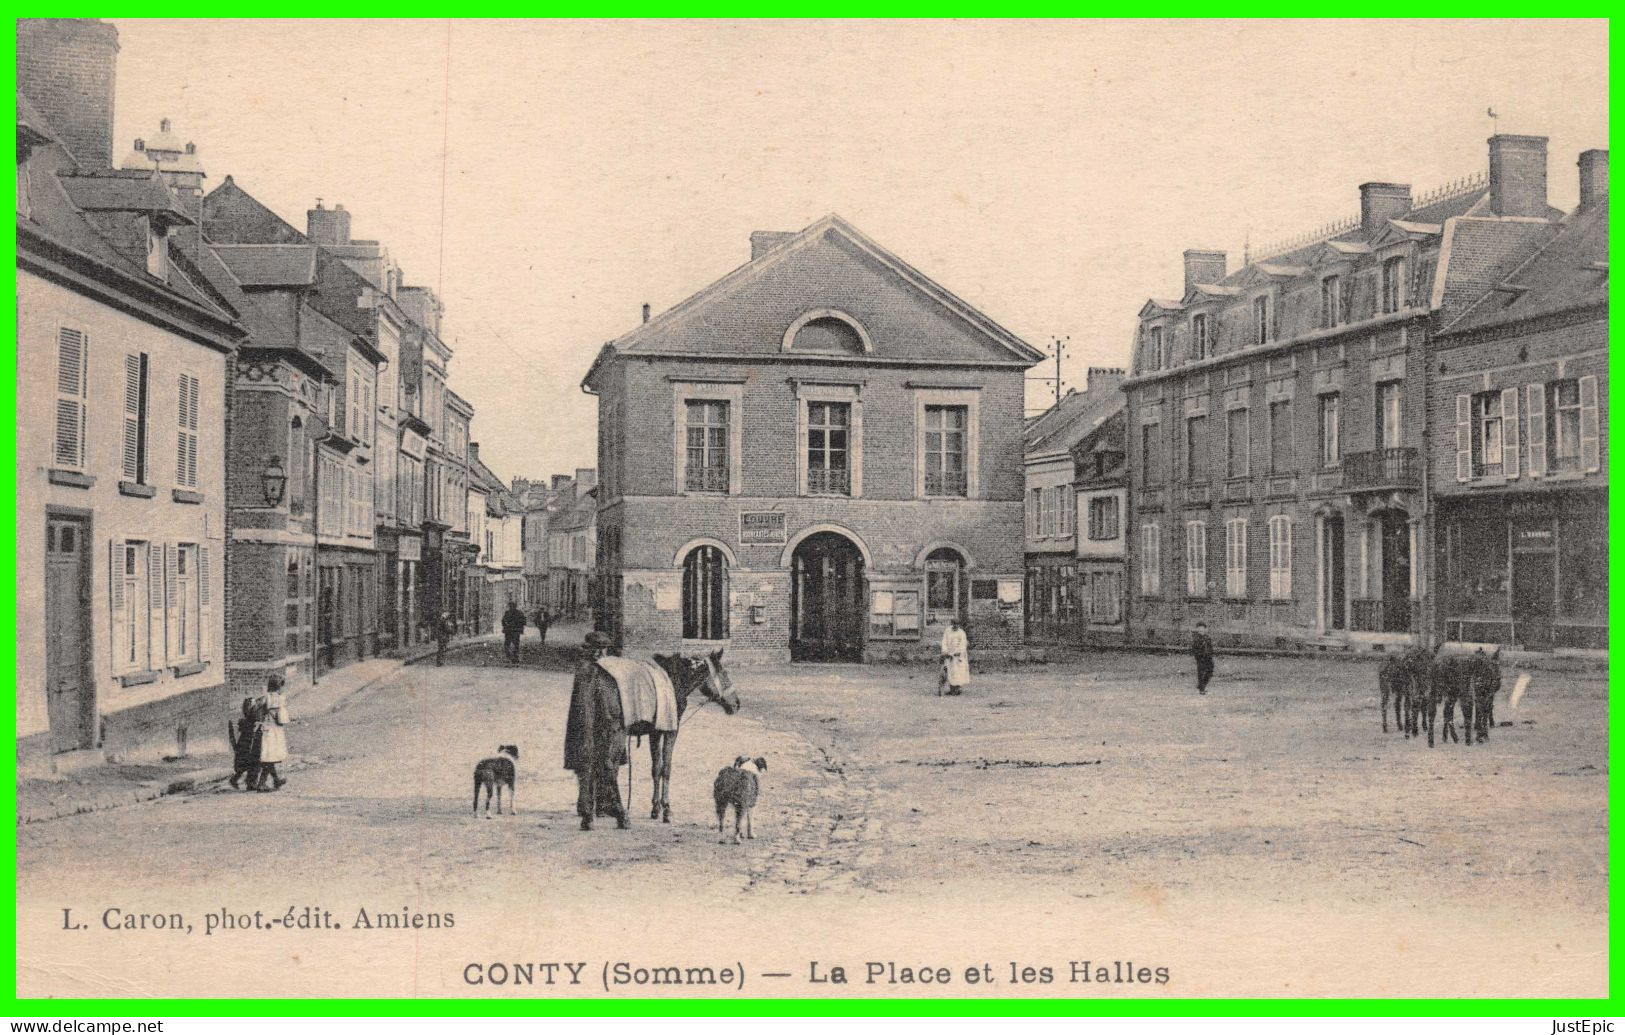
{"type": "Point", "coordinates": [411, 549]}
{"type": "Point", "coordinates": [1009, 591]}
{"type": "Point", "coordinates": [412, 444]}
{"type": "Point", "coordinates": [762, 527]}
{"type": "Point", "coordinates": [984, 589]}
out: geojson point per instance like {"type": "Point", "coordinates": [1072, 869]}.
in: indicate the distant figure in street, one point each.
{"type": "Point", "coordinates": [443, 628]}
{"type": "Point", "coordinates": [955, 658]}
{"type": "Point", "coordinates": [542, 622]}
{"type": "Point", "coordinates": [513, 627]}
{"type": "Point", "coordinates": [594, 743]}
{"type": "Point", "coordinates": [273, 738]}
{"type": "Point", "coordinates": [245, 759]}
{"type": "Point", "coordinates": [1202, 651]}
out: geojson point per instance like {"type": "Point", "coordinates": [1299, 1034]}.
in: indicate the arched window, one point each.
{"type": "Point", "coordinates": [705, 594]}
{"type": "Point", "coordinates": [945, 586]}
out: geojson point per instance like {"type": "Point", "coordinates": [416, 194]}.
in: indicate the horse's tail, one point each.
{"type": "Point", "coordinates": [476, 792]}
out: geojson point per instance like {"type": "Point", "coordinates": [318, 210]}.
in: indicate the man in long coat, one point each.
{"type": "Point", "coordinates": [595, 739]}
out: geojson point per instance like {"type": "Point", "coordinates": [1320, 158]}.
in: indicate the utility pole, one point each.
{"type": "Point", "coordinates": [1059, 346]}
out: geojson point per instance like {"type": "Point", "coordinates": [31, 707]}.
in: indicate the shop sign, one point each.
{"type": "Point", "coordinates": [762, 527]}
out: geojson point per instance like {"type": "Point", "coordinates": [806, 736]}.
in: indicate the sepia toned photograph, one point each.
{"type": "Point", "coordinates": [812, 509]}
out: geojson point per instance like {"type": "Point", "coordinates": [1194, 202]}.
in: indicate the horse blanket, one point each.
{"type": "Point", "coordinates": [648, 699]}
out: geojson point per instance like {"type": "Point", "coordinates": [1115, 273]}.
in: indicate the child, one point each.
{"type": "Point", "coordinates": [245, 753]}
{"type": "Point", "coordinates": [273, 740]}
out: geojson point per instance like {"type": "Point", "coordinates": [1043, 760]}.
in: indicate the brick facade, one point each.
{"type": "Point", "coordinates": [884, 525]}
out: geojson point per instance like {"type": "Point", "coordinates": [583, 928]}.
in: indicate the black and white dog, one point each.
{"type": "Point", "coordinates": [493, 774]}
{"type": "Point", "coordinates": [737, 786]}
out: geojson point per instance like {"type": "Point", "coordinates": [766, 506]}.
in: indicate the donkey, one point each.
{"type": "Point", "coordinates": [1471, 680]}
{"type": "Point", "coordinates": [1394, 680]}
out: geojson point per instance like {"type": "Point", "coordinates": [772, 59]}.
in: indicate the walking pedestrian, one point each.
{"type": "Point", "coordinates": [543, 620]}
{"type": "Point", "coordinates": [956, 658]}
{"type": "Point", "coordinates": [513, 627]}
{"type": "Point", "coordinates": [443, 628]}
{"type": "Point", "coordinates": [1202, 651]}
{"type": "Point", "coordinates": [273, 738]}
{"type": "Point", "coordinates": [594, 742]}
{"type": "Point", "coordinates": [245, 760]}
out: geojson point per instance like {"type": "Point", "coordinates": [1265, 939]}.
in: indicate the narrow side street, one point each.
{"type": "Point", "coordinates": [1100, 792]}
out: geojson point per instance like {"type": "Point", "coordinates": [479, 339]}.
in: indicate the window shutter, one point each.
{"type": "Point", "coordinates": [132, 418]}
{"type": "Point", "coordinates": [1537, 430]}
{"type": "Point", "coordinates": [155, 602]}
{"type": "Point", "coordinates": [1286, 557]}
{"type": "Point", "coordinates": [205, 598]}
{"type": "Point", "coordinates": [71, 391]}
{"type": "Point", "coordinates": [1590, 448]}
{"type": "Point", "coordinates": [1464, 438]}
{"type": "Point", "coordinates": [115, 592]}
{"type": "Point", "coordinates": [1509, 432]}
{"type": "Point", "coordinates": [172, 624]}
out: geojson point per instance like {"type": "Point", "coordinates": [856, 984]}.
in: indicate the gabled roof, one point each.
{"type": "Point", "coordinates": [1074, 418]}
{"type": "Point", "coordinates": [1570, 272]}
{"type": "Point", "coordinates": [270, 265]}
{"type": "Point", "coordinates": [654, 336]}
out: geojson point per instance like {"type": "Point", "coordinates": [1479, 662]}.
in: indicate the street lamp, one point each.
{"type": "Point", "coordinates": [273, 481]}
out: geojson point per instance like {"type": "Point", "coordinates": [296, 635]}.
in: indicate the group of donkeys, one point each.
{"type": "Point", "coordinates": [1419, 681]}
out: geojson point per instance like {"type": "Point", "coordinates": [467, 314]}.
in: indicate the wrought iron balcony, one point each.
{"type": "Point", "coordinates": [829, 481]}
{"type": "Point", "coordinates": [1380, 616]}
{"type": "Point", "coordinates": [706, 479]}
{"type": "Point", "coordinates": [1397, 467]}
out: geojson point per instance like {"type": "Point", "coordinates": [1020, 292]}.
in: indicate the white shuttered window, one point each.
{"type": "Point", "coordinates": [186, 435]}
{"type": "Point", "coordinates": [71, 392]}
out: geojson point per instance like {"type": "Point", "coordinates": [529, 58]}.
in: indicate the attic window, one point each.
{"type": "Point", "coordinates": [157, 251]}
{"type": "Point", "coordinates": [826, 330]}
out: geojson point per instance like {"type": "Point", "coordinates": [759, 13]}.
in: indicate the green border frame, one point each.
{"type": "Point", "coordinates": [796, 1007]}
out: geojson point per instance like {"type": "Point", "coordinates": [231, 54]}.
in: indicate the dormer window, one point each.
{"type": "Point", "coordinates": [1393, 285]}
{"type": "Point", "coordinates": [1199, 339]}
{"type": "Point", "coordinates": [157, 251]}
{"type": "Point", "coordinates": [1331, 301]}
{"type": "Point", "coordinates": [1261, 319]}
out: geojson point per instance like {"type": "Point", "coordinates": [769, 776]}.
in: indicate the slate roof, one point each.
{"type": "Point", "coordinates": [124, 192]}
{"type": "Point", "coordinates": [1074, 418]}
{"type": "Point", "coordinates": [270, 265]}
{"type": "Point", "coordinates": [1570, 272]}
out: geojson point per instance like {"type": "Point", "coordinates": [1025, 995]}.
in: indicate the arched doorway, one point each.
{"type": "Point", "coordinates": [826, 599]}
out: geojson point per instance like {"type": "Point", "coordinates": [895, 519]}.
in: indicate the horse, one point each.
{"type": "Point", "coordinates": [596, 736]}
{"type": "Point", "coordinates": [688, 674]}
{"type": "Point", "coordinates": [1421, 694]}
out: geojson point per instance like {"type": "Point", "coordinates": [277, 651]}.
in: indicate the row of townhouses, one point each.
{"type": "Point", "coordinates": [250, 460]}
{"type": "Point", "coordinates": [1388, 432]}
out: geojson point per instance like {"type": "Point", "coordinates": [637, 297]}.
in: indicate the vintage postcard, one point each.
{"type": "Point", "coordinates": [812, 509]}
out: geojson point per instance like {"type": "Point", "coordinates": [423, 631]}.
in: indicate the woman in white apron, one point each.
{"type": "Point", "coordinates": [273, 735]}
{"type": "Point", "coordinates": [955, 658]}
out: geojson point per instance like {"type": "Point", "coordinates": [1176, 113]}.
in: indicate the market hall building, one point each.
{"type": "Point", "coordinates": [816, 458]}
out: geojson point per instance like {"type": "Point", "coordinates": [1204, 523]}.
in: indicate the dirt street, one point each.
{"type": "Point", "coordinates": [1267, 839]}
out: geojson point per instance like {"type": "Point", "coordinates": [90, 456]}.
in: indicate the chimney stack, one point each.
{"type": "Point", "coordinates": [66, 67]}
{"type": "Point", "coordinates": [646, 312]}
{"type": "Point", "coordinates": [1106, 377]}
{"type": "Point", "coordinates": [1518, 175]}
{"type": "Point", "coordinates": [1380, 202]}
{"type": "Point", "coordinates": [329, 226]}
{"type": "Point", "coordinates": [1202, 267]}
{"type": "Point", "coordinates": [560, 481]}
{"type": "Point", "coordinates": [1593, 177]}
{"type": "Point", "coordinates": [763, 241]}
{"type": "Point", "coordinates": [586, 478]}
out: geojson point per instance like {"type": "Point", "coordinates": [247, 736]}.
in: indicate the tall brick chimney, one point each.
{"type": "Point", "coordinates": [1518, 175]}
{"type": "Point", "coordinates": [330, 226]}
{"type": "Point", "coordinates": [1380, 202]}
{"type": "Point", "coordinates": [586, 478]}
{"type": "Point", "coordinates": [762, 241]}
{"type": "Point", "coordinates": [66, 67]}
{"type": "Point", "coordinates": [1202, 267]}
{"type": "Point", "coordinates": [1593, 177]}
